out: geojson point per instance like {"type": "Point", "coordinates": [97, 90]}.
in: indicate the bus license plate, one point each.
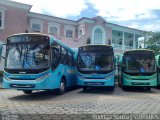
{"type": "Point", "coordinates": [135, 83]}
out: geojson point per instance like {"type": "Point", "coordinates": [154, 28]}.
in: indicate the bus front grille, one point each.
{"type": "Point", "coordinates": [22, 78]}
{"type": "Point", "coordinates": [94, 83]}
{"type": "Point", "coordinates": [94, 78]}
{"type": "Point", "coordinates": [139, 79]}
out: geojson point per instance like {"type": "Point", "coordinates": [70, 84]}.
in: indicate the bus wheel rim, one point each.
{"type": "Point", "coordinates": [62, 86]}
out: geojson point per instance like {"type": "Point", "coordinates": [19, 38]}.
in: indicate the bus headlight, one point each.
{"type": "Point", "coordinates": [128, 78]}
{"type": "Point", "coordinates": [109, 77]}
{"type": "Point", "coordinates": [80, 76]}
{"type": "Point", "coordinates": [153, 78]}
{"type": "Point", "coordinates": [43, 77]}
{"type": "Point", "coordinates": [6, 78]}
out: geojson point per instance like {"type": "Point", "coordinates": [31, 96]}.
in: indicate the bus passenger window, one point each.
{"type": "Point", "coordinates": [64, 59]}
{"type": "Point", "coordinates": [55, 55]}
{"type": "Point", "coordinates": [70, 58]}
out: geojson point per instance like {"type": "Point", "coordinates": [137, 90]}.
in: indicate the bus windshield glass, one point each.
{"type": "Point", "coordinates": [95, 61]}
{"type": "Point", "coordinates": [141, 63]}
{"type": "Point", "coordinates": [24, 52]}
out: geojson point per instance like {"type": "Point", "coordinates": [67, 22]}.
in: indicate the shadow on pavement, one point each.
{"type": "Point", "coordinates": [138, 90]}
{"type": "Point", "coordinates": [39, 95]}
{"type": "Point", "coordinates": [97, 90]}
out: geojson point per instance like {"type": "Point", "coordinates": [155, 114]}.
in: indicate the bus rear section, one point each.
{"type": "Point", "coordinates": [38, 62]}
{"type": "Point", "coordinates": [96, 66]}
{"type": "Point", "coordinates": [138, 68]}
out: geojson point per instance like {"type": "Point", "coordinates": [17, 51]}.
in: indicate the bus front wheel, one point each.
{"type": "Point", "coordinates": [148, 88]}
{"type": "Point", "coordinates": [85, 88]}
{"type": "Point", "coordinates": [62, 87]}
{"type": "Point", "coordinates": [112, 88]}
{"type": "Point", "coordinates": [27, 91]}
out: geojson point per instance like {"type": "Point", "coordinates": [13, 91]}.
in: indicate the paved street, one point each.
{"type": "Point", "coordinates": [99, 101]}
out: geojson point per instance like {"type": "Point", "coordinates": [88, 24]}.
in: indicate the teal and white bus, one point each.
{"type": "Point", "coordinates": [158, 69]}
{"type": "Point", "coordinates": [38, 62]}
{"type": "Point", "coordinates": [96, 66]}
{"type": "Point", "coordinates": [138, 68]}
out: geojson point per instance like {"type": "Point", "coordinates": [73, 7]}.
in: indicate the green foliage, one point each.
{"type": "Point", "coordinates": [153, 42]}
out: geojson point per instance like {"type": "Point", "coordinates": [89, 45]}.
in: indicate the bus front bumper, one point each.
{"type": "Point", "coordinates": [26, 84]}
{"type": "Point", "coordinates": [96, 82]}
{"type": "Point", "coordinates": [151, 83]}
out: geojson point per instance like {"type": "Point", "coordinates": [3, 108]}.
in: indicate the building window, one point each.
{"type": "Point", "coordinates": [69, 33]}
{"type": "Point", "coordinates": [137, 37]}
{"type": "Point", "coordinates": [53, 30]}
{"type": "Point", "coordinates": [117, 37]}
{"type": "Point", "coordinates": [128, 37]}
{"type": "Point", "coordinates": [80, 32]}
{"type": "Point", "coordinates": [98, 36]}
{"type": "Point", "coordinates": [36, 27]}
{"type": "Point", "coordinates": [2, 12]}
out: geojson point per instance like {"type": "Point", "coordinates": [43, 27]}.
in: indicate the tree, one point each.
{"type": "Point", "coordinates": [153, 42]}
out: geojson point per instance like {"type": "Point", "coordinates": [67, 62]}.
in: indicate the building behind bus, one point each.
{"type": "Point", "coordinates": [16, 18]}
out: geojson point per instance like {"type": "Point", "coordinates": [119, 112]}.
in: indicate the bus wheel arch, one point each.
{"type": "Point", "coordinates": [27, 91]}
{"type": "Point", "coordinates": [62, 86]}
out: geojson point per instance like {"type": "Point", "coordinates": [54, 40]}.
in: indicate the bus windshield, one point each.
{"type": "Point", "coordinates": [27, 55]}
{"type": "Point", "coordinates": [95, 61]}
{"type": "Point", "coordinates": [140, 63]}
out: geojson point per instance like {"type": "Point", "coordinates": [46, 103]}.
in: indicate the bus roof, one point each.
{"type": "Point", "coordinates": [28, 34]}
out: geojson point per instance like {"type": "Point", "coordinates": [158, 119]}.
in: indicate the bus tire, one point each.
{"type": "Point", "coordinates": [85, 88]}
{"type": "Point", "coordinates": [123, 87]}
{"type": "Point", "coordinates": [119, 83]}
{"type": "Point", "coordinates": [112, 88]}
{"type": "Point", "coordinates": [148, 88]}
{"type": "Point", "coordinates": [27, 91]}
{"type": "Point", "coordinates": [62, 87]}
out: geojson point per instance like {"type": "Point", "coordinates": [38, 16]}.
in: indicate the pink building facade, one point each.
{"type": "Point", "coordinates": [17, 18]}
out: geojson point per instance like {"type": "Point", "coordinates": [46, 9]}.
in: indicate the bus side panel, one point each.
{"type": "Point", "coordinates": [68, 73]}
{"type": "Point", "coordinates": [71, 76]}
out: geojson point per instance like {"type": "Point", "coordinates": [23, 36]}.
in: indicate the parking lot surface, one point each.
{"type": "Point", "coordinates": [44, 105]}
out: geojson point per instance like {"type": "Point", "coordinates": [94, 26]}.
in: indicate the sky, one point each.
{"type": "Point", "coordinates": [138, 14]}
